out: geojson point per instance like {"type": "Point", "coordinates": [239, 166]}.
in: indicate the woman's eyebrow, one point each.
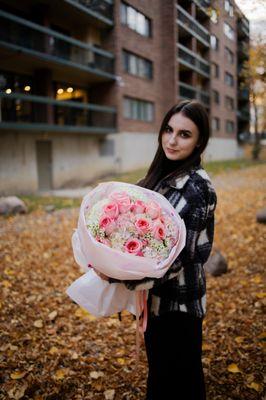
{"type": "Point", "coordinates": [180, 130]}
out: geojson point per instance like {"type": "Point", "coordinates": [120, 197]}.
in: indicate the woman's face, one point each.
{"type": "Point", "coordinates": [180, 137]}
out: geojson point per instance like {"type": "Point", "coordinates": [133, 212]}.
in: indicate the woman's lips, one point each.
{"type": "Point", "coordinates": [170, 150]}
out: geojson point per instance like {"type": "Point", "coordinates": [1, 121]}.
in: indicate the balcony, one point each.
{"type": "Point", "coordinates": [99, 10]}
{"type": "Point", "coordinates": [243, 94]}
{"type": "Point", "coordinates": [243, 49]}
{"type": "Point", "coordinates": [37, 113]}
{"type": "Point", "coordinates": [187, 22]}
{"type": "Point", "coordinates": [49, 48]}
{"type": "Point", "coordinates": [242, 29]}
{"type": "Point", "coordinates": [203, 5]}
{"type": "Point", "coordinates": [243, 114]}
{"type": "Point", "coordinates": [192, 60]}
{"type": "Point", "coordinates": [187, 91]}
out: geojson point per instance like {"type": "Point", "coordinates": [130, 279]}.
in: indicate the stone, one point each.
{"type": "Point", "coordinates": [216, 264]}
{"type": "Point", "coordinates": [261, 216]}
{"type": "Point", "coordinates": [12, 205]}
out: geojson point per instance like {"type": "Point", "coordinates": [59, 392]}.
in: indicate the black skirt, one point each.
{"type": "Point", "coordinates": [174, 347]}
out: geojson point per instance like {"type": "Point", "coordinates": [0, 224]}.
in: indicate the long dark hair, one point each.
{"type": "Point", "coordinates": [161, 166]}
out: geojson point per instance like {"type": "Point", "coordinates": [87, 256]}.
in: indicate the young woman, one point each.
{"type": "Point", "coordinates": [177, 301]}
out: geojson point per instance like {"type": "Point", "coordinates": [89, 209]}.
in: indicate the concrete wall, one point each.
{"type": "Point", "coordinates": [76, 159]}
{"type": "Point", "coordinates": [222, 149]}
{"type": "Point", "coordinates": [134, 150]}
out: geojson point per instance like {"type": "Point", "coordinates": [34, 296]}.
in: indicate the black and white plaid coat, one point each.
{"type": "Point", "coordinates": [183, 287]}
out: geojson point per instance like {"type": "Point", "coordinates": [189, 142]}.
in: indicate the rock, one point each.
{"type": "Point", "coordinates": [261, 216]}
{"type": "Point", "coordinates": [12, 205]}
{"type": "Point", "coordinates": [216, 264]}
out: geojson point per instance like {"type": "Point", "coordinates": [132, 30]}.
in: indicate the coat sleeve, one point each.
{"type": "Point", "coordinates": [198, 216]}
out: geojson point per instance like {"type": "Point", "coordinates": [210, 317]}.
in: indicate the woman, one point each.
{"type": "Point", "coordinates": [177, 301]}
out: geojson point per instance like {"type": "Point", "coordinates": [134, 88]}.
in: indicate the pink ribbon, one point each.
{"type": "Point", "coordinates": [141, 319]}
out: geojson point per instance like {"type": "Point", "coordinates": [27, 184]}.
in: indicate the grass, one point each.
{"type": "Point", "coordinates": [213, 168]}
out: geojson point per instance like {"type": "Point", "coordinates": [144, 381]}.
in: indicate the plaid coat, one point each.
{"type": "Point", "coordinates": [183, 287]}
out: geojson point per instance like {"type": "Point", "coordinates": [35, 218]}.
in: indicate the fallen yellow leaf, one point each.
{"type": "Point", "coordinates": [256, 279]}
{"type": "Point", "coordinates": [254, 385]}
{"type": "Point", "coordinates": [260, 295]}
{"type": "Point", "coordinates": [6, 283]}
{"type": "Point", "coordinates": [38, 323]}
{"type": "Point", "coordinates": [18, 374]}
{"type": "Point", "coordinates": [52, 315]}
{"type": "Point", "coordinates": [233, 368]}
{"type": "Point", "coordinates": [61, 373]}
{"type": "Point", "coordinates": [262, 335]}
{"type": "Point", "coordinates": [82, 313]}
{"type": "Point", "coordinates": [121, 361]}
{"type": "Point", "coordinates": [53, 350]}
{"type": "Point", "coordinates": [239, 339]}
{"type": "Point", "coordinates": [96, 375]}
{"type": "Point", "coordinates": [9, 272]}
{"type": "Point", "coordinates": [206, 346]}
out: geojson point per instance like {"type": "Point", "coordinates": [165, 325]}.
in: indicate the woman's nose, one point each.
{"type": "Point", "coordinates": [172, 139]}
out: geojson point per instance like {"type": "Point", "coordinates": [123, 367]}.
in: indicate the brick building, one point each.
{"type": "Point", "coordinates": [84, 84]}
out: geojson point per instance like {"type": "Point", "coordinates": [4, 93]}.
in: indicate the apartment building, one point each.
{"type": "Point", "coordinates": [84, 84]}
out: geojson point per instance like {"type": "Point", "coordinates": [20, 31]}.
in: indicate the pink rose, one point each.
{"type": "Point", "coordinates": [133, 246]}
{"type": "Point", "coordinates": [138, 207]}
{"type": "Point", "coordinates": [153, 209]}
{"type": "Point", "coordinates": [122, 200]}
{"type": "Point", "coordinates": [158, 231]}
{"type": "Point", "coordinates": [142, 225]}
{"type": "Point", "coordinates": [111, 210]}
{"type": "Point", "coordinates": [103, 241]}
{"type": "Point", "coordinates": [107, 223]}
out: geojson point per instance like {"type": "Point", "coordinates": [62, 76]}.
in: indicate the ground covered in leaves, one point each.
{"type": "Point", "coordinates": [51, 349]}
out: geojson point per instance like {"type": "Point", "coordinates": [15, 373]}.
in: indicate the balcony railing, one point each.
{"type": "Point", "coordinates": [243, 113]}
{"type": "Point", "coordinates": [243, 48]}
{"type": "Point", "coordinates": [19, 34]}
{"type": "Point", "coordinates": [102, 7]}
{"type": "Point", "coordinates": [193, 60]}
{"type": "Point", "coordinates": [28, 112]}
{"type": "Point", "coordinates": [243, 94]}
{"type": "Point", "coordinates": [243, 28]}
{"type": "Point", "coordinates": [194, 27]}
{"type": "Point", "coordinates": [203, 5]}
{"type": "Point", "coordinates": [187, 91]}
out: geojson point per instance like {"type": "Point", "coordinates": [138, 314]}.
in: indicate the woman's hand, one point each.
{"type": "Point", "coordinates": [101, 275]}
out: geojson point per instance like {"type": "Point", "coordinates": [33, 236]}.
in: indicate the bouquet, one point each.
{"type": "Point", "coordinates": [125, 232]}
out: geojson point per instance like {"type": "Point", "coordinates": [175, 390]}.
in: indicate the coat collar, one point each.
{"type": "Point", "coordinates": [181, 181]}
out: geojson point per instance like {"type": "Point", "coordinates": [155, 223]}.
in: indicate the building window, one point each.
{"type": "Point", "coordinates": [229, 79]}
{"type": "Point", "coordinates": [214, 43]}
{"type": "Point", "coordinates": [216, 96]}
{"type": "Point", "coordinates": [230, 126]}
{"type": "Point", "coordinates": [229, 8]}
{"type": "Point", "coordinates": [136, 65]}
{"type": "Point", "coordinates": [215, 70]}
{"type": "Point", "coordinates": [229, 103]}
{"type": "Point", "coordinates": [214, 16]}
{"type": "Point", "coordinates": [229, 55]}
{"type": "Point", "coordinates": [138, 109]}
{"type": "Point", "coordinates": [229, 31]}
{"type": "Point", "coordinates": [215, 124]}
{"type": "Point", "coordinates": [135, 20]}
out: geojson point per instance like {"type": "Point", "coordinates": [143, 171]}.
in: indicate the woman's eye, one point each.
{"type": "Point", "coordinates": [167, 129]}
{"type": "Point", "coordinates": [184, 134]}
